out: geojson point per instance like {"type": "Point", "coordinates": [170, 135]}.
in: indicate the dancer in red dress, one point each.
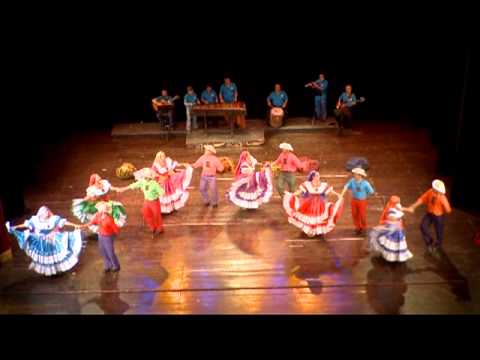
{"type": "Point", "coordinates": [174, 182]}
{"type": "Point", "coordinates": [308, 209]}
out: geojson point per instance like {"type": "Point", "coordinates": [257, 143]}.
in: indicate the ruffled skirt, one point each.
{"type": "Point", "coordinates": [55, 253]}
{"type": "Point", "coordinates": [252, 191]}
{"type": "Point", "coordinates": [311, 214]}
{"type": "Point", "coordinates": [389, 241]}
{"type": "Point", "coordinates": [176, 194]}
{"type": "Point", "coordinates": [85, 210]}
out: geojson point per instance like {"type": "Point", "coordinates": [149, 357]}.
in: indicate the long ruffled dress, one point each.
{"type": "Point", "coordinates": [175, 186]}
{"type": "Point", "coordinates": [309, 212]}
{"type": "Point", "coordinates": [51, 250]}
{"type": "Point", "coordinates": [252, 188]}
{"type": "Point", "coordinates": [84, 209]}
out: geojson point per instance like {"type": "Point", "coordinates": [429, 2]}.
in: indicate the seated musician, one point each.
{"type": "Point", "coordinates": [228, 92]}
{"type": "Point", "coordinates": [189, 100]}
{"type": "Point", "coordinates": [164, 99]}
{"type": "Point", "coordinates": [209, 96]}
{"type": "Point", "coordinates": [344, 109]}
{"type": "Point", "coordinates": [278, 98]}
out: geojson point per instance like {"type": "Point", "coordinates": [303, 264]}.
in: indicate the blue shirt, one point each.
{"type": "Point", "coordinates": [323, 88]}
{"type": "Point", "coordinates": [278, 99]}
{"type": "Point", "coordinates": [190, 98]}
{"type": "Point", "coordinates": [164, 98]}
{"type": "Point", "coordinates": [209, 97]}
{"type": "Point", "coordinates": [346, 100]}
{"type": "Point", "coordinates": [360, 190]}
{"type": "Point", "coordinates": [228, 92]}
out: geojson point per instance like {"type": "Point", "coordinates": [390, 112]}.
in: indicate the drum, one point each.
{"type": "Point", "coordinates": [276, 117]}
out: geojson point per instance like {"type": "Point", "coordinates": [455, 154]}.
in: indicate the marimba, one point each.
{"type": "Point", "coordinates": [230, 111]}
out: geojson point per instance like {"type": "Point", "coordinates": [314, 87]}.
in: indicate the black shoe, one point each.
{"type": "Point", "coordinates": [207, 204]}
{"type": "Point", "coordinates": [358, 232]}
{"type": "Point", "coordinates": [215, 206]}
{"type": "Point", "coordinates": [105, 271]}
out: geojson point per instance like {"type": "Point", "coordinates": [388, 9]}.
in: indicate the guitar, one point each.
{"type": "Point", "coordinates": [156, 104]}
{"type": "Point", "coordinates": [339, 106]}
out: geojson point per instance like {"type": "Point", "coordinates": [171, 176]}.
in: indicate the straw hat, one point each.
{"type": "Point", "coordinates": [359, 171]}
{"type": "Point", "coordinates": [286, 146]}
{"type": "Point", "coordinates": [210, 148]}
{"type": "Point", "coordinates": [104, 206]}
{"type": "Point", "coordinates": [439, 186]}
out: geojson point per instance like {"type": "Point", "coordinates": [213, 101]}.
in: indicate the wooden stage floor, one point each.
{"type": "Point", "coordinates": [232, 261]}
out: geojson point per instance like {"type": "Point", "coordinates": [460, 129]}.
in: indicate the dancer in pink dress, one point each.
{"type": "Point", "coordinates": [175, 183]}
{"type": "Point", "coordinates": [308, 210]}
{"type": "Point", "coordinates": [251, 188]}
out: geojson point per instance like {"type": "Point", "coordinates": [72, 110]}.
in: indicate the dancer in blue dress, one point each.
{"type": "Point", "coordinates": [52, 250]}
{"type": "Point", "coordinates": [388, 239]}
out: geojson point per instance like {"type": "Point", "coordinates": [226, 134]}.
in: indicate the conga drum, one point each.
{"type": "Point", "coordinates": [276, 117]}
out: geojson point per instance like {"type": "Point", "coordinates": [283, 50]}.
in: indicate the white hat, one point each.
{"type": "Point", "coordinates": [144, 173]}
{"type": "Point", "coordinates": [359, 171]}
{"type": "Point", "coordinates": [286, 146]}
{"type": "Point", "coordinates": [210, 148]}
{"type": "Point", "coordinates": [439, 186]}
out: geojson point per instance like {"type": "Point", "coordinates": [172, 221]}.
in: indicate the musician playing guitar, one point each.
{"type": "Point", "coordinates": [160, 105]}
{"type": "Point", "coordinates": [344, 108]}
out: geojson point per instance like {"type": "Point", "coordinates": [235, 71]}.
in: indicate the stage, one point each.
{"type": "Point", "coordinates": [233, 261]}
{"type": "Point", "coordinates": [252, 135]}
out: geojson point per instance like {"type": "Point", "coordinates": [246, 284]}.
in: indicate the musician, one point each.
{"type": "Point", "coordinates": [344, 109]}
{"type": "Point", "coordinates": [189, 100]}
{"type": "Point", "coordinates": [278, 98]}
{"type": "Point", "coordinates": [228, 92]}
{"type": "Point", "coordinates": [164, 99]}
{"type": "Point", "coordinates": [209, 96]}
{"type": "Point", "coordinates": [320, 88]}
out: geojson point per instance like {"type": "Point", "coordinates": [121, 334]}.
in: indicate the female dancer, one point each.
{"type": "Point", "coordinates": [97, 190]}
{"type": "Point", "coordinates": [388, 238]}
{"type": "Point", "coordinates": [310, 212]}
{"type": "Point", "coordinates": [174, 183]}
{"type": "Point", "coordinates": [251, 188]}
{"type": "Point", "coordinates": [52, 251]}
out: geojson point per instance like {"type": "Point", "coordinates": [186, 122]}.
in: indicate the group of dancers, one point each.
{"type": "Point", "coordinates": [314, 207]}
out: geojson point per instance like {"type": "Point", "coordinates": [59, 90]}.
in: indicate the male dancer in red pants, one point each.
{"type": "Point", "coordinates": [152, 191]}
{"type": "Point", "coordinates": [361, 190]}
